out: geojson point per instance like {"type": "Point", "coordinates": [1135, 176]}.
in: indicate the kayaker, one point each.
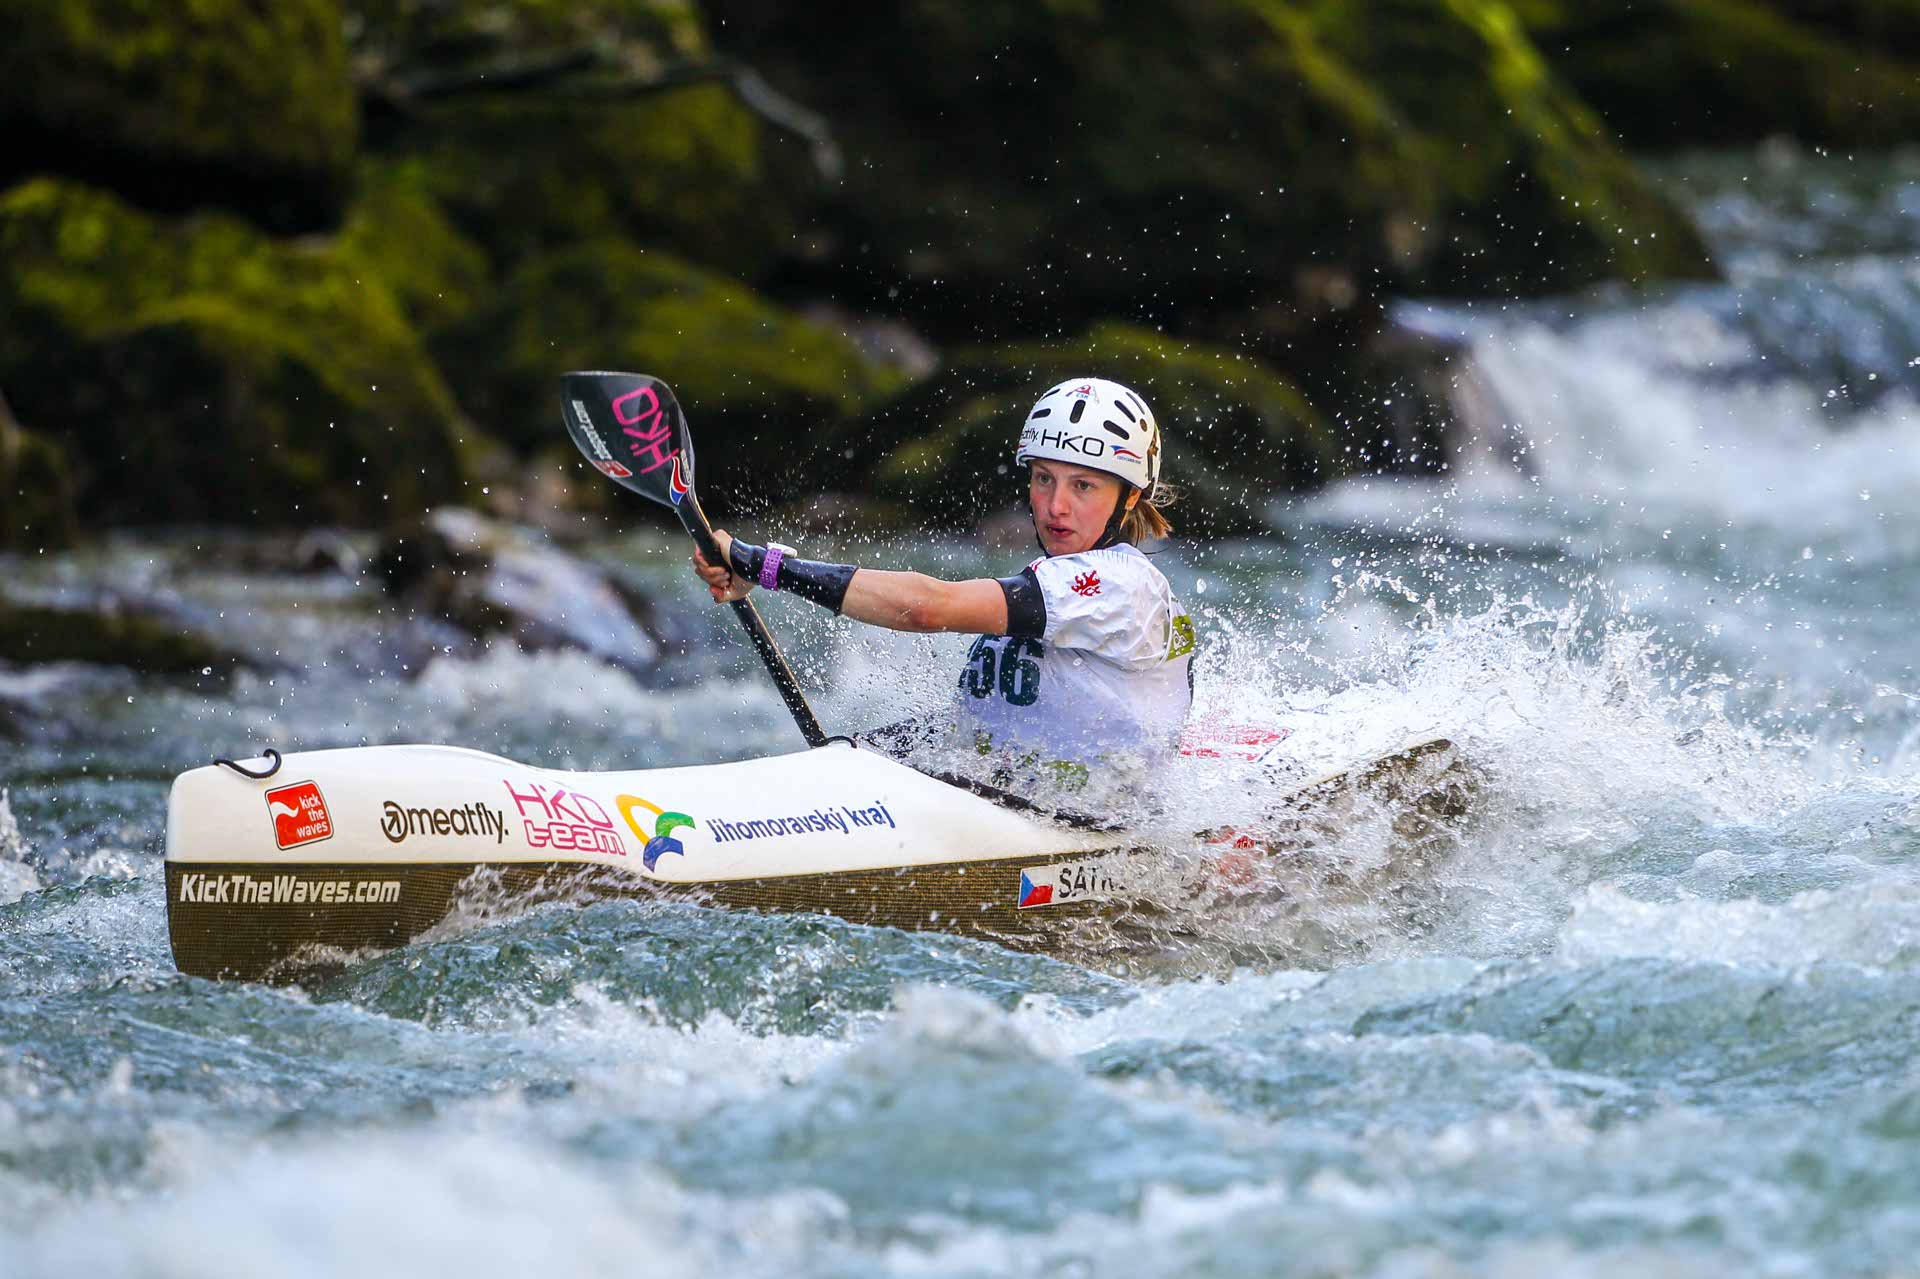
{"type": "Point", "coordinates": [1082, 656]}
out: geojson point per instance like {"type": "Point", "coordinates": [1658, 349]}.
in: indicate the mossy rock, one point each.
{"type": "Point", "coordinates": [1237, 433]}
{"type": "Point", "coordinates": [535, 125]}
{"type": "Point", "coordinates": [1202, 156]}
{"type": "Point", "coordinates": [757, 380]}
{"type": "Point", "coordinates": [1669, 73]}
{"type": "Point", "coordinates": [1890, 27]}
{"type": "Point", "coordinates": [111, 631]}
{"type": "Point", "coordinates": [218, 102]}
{"type": "Point", "coordinates": [202, 370]}
{"type": "Point", "coordinates": [530, 172]}
{"type": "Point", "coordinates": [399, 235]}
{"type": "Point", "coordinates": [36, 490]}
{"type": "Point", "coordinates": [404, 41]}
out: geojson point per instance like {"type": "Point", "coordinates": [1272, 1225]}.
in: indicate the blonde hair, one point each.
{"type": "Point", "coordinates": [1145, 522]}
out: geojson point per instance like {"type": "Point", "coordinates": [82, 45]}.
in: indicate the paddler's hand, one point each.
{"type": "Point", "coordinates": [721, 582]}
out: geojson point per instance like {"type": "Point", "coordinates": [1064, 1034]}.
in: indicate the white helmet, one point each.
{"type": "Point", "coordinates": [1094, 423]}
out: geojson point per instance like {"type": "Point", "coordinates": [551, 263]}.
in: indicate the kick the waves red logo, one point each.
{"type": "Point", "coordinates": [614, 469]}
{"type": "Point", "coordinates": [299, 815]}
{"type": "Point", "coordinates": [1088, 583]}
{"type": "Point", "coordinates": [639, 415]}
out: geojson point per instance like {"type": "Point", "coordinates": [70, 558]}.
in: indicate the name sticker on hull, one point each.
{"type": "Point", "coordinates": [1091, 879]}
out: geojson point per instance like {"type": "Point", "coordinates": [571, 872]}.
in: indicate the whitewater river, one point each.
{"type": "Point", "coordinates": [1657, 1009]}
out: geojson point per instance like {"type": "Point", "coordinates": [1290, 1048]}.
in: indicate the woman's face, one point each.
{"type": "Point", "coordinates": [1071, 505]}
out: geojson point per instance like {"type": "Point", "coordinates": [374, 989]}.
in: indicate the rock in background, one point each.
{"type": "Point", "coordinates": [490, 580]}
{"type": "Point", "coordinates": [319, 262]}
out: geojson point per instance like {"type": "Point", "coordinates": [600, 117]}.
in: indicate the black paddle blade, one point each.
{"type": "Point", "coordinates": [630, 427]}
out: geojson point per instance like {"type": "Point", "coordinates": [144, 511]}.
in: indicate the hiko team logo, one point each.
{"type": "Point", "coordinates": [558, 818]}
{"type": "Point", "coordinates": [299, 815]}
{"type": "Point", "coordinates": [638, 413]}
{"type": "Point", "coordinates": [661, 841]}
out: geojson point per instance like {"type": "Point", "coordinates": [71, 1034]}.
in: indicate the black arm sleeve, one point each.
{"type": "Point", "coordinates": [744, 560]}
{"type": "Point", "coordinates": [824, 584]}
{"type": "Point", "coordinates": [1026, 608]}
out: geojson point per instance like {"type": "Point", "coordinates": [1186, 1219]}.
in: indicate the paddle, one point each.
{"type": "Point", "coordinates": [631, 428]}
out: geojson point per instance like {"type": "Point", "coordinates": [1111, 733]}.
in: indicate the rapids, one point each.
{"type": "Point", "coordinates": [1656, 1009]}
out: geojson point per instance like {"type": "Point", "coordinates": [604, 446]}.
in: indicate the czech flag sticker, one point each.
{"type": "Point", "coordinates": [1032, 894]}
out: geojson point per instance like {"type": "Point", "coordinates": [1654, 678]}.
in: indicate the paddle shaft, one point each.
{"type": "Point", "coordinates": [694, 520]}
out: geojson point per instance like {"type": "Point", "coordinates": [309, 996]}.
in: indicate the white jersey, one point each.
{"type": "Point", "coordinates": [1110, 675]}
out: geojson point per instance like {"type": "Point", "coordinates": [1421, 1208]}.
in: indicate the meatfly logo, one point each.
{"type": "Point", "coordinates": [661, 841]}
{"type": "Point", "coordinates": [299, 815]}
{"type": "Point", "coordinates": [639, 415]}
{"type": "Point", "coordinates": [1087, 583]}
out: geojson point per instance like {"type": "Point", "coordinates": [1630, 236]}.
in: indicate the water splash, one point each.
{"type": "Point", "coordinates": [17, 878]}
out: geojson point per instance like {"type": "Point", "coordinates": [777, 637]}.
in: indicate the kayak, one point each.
{"type": "Point", "coordinates": [284, 867]}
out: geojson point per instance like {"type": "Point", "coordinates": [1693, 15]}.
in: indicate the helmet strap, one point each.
{"type": "Point", "coordinates": [1112, 534]}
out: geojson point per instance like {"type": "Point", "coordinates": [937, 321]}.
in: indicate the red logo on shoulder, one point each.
{"type": "Point", "coordinates": [1088, 583]}
{"type": "Point", "coordinates": [299, 815]}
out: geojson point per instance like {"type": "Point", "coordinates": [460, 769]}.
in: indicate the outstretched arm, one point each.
{"type": "Point", "coordinates": [897, 601]}
{"type": "Point", "coordinates": [916, 602]}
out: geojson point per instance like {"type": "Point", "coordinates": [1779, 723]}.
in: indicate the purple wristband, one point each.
{"type": "Point", "coordinates": [770, 567]}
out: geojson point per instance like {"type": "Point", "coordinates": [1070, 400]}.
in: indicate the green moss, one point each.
{"type": "Point", "coordinates": [1020, 167]}
{"type": "Point", "coordinates": [403, 36]}
{"type": "Point", "coordinates": [210, 101]}
{"type": "Point", "coordinates": [1671, 73]}
{"type": "Point", "coordinates": [559, 158]}
{"type": "Point", "coordinates": [36, 490]}
{"type": "Point", "coordinates": [752, 375]}
{"type": "Point", "coordinates": [526, 173]}
{"type": "Point", "coordinates": [1237, 433]}
{"type": "Point", "coordinates": [202, 369]}
{"type": "Point", "coordinates": [399, 235]}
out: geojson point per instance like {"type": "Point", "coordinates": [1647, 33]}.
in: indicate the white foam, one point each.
{"type": "Point", "coordinates": [1626, 407]}
{"type": "Point", "coordinates": [1874, 925]}
{"type": "Point", "coordinates": [424, 1201]}
{"type": "Point", "coordinates": [630, 1054]}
